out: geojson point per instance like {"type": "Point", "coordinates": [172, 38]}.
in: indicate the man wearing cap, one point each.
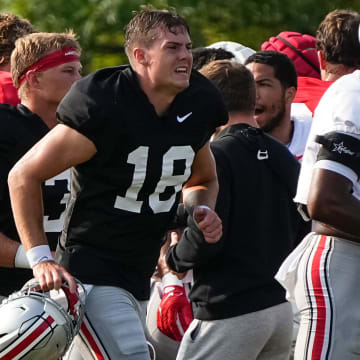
{"type": "Point", "coordinates": [43, 66]}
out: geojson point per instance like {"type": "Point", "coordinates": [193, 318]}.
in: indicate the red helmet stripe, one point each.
{"type": "Point", "coordinates": [40, 332]}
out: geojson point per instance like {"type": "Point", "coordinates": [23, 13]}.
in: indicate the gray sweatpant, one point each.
{"type": "Point", "coordinates": [113, 327]}
{"type": "Point", "coordinates": [261, 335]}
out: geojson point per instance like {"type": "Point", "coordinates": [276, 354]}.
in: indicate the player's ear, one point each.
{"type": "Point", "coordinates": [140, 56]}
{"type": "Point", "coordinates": [32, 79]}
{"type": "Point", "coordinates": [290, 93]}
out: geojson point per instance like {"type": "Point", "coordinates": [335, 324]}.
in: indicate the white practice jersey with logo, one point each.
{"type": "Point", "coordinates": [338, 110]}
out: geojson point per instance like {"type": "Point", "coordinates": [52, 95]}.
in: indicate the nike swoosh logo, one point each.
{"type": "Point", "coordinates": [180, 119]}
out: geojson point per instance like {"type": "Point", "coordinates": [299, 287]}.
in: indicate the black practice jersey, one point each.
{"type": "Point", "coordinates": [124, 198]}
{"type": "Point", "coordinates": [20, 129]}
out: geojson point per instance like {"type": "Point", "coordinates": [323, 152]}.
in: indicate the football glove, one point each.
{"type": "Point", "coordinates": [174, 314]}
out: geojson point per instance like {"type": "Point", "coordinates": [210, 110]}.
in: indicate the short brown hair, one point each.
{"type": "Point", "coordinates": [142, 28]}
{"type": "Point", "coordinates": [11, 28]}
{"type": "Point", "coordinates": [235, 82]}
{"type": "Point", "coordinates": [31, 48]}
{"type": "Point", "coordinates": [337, 37]}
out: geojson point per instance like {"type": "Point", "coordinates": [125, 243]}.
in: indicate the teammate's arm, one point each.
{"type": "Point", "coordinates": [62, 148]}
{"type": "Point", "coordinates": [331, 202]}
{"type": "Point", "coordinates": [202, 189]}
{"type": "Point", "coordinates": [8, 251]}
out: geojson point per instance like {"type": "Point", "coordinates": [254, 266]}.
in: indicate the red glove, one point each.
{"type": "Point", "coordinates": [174, 314]}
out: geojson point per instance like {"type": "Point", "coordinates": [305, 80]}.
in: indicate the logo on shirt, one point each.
{"type": "Point", "coordinates": [70, 53]}
{"type": "Point", "coordinates": [262, 155]}
{"type": "Point", "coordinates": [341, 148]}
{"type": "Point", "coordinates": [180, 119]}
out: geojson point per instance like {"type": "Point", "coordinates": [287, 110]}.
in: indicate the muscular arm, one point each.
{"type": "Point", "coordinates": [331, 202]}
{"type": "Point", "coordinates": [60, 149]}
{"type": "Point", "coordinates": [202, 189]}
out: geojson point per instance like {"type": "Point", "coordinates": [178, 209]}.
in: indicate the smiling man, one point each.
{"type": "Point", "coordinates": [276, 84]}
{"type": "Point", "coordinates": [135, 138]}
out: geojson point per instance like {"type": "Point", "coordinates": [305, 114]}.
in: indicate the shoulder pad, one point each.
{"type": "Point", "coordinates": [339, 147]}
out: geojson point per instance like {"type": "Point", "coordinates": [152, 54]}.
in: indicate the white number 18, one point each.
{"type": "Point", "coordinates": [139, 158]}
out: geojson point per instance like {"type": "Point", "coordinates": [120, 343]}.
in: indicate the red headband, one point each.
{"type": "Point", "coordinates": [56, 58]}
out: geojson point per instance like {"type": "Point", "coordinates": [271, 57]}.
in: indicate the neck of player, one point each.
{"type": "Point", "coordinates": [44, 109]}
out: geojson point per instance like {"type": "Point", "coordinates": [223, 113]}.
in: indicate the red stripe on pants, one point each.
{"type": "Point", "coordinates": [320, 301]}
{"type": "Point", "coordinates": [94, 347]}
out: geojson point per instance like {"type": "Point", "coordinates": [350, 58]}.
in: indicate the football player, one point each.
{"type": "Point", "coordinates": [136, 136]}
{"type": "Point", "coordinates": [44, 66]}
{"type": "Point", "coordinates": [321, 274]}
{"type": "Point", "coordinates": [335, 38]}
{"type": "Point", "coordinates": [276, 84]}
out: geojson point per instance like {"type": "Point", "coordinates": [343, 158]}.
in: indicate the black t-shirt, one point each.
{"type": "Point", "coordinates": [20, 129]}
{"type": "Point", "coordinates": [235, 276]}
{"type": "Point", "coordinates": [124, 198]}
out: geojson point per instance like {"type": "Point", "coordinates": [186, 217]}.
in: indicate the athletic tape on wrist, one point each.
{"type": "Point", "coordinates": [39, 254]}
{"type": "Point", "coordinates": [21, 260]}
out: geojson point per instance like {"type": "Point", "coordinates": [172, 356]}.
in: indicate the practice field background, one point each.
{"type": "Point", "coordinates": [99, 23]}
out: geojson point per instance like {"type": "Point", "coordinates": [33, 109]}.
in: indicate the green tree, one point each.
{"type": "Point", "coordinates": [100, 23]}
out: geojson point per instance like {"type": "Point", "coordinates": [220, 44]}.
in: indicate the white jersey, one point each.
{"type": "Point", "coordinates": [338, 110]}
{"type": "Point", "coordinates": [302, 125]}
{"type": "Point", "coordinates": [300, 110]}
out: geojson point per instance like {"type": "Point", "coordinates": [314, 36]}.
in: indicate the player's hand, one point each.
{"type": "Point", "coordinates": [209, 223]}
{"type": "Point", "coordinates": [51, 276]}
{"type": "Point", "coordinates": [175, 236]}
{"type": "Point", "coordinates": [174, 314]}
{"type": "Point", "coordinates": [162, 266]}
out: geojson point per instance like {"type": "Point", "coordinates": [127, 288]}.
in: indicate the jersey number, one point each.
{"type": "Point", "coordinates": [56, 195]}
{"type": "Point", "coordinates": [139, 158]}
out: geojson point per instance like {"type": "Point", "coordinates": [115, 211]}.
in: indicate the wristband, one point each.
{"type": "Point", "coordinates": [39, 254]}
{"type": "Point", "coordinates": [21, 261]}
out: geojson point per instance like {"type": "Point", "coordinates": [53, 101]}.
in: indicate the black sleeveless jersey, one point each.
{"type": "Point", "coordinates": [124, 198]}
{"type": "Point", "coordinates": [20, 129]}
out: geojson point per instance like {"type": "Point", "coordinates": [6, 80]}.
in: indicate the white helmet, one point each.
{"type": "Point", "coordinates": [240, 52]}
{"type": "Point", "coordinates": [38, 325]}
